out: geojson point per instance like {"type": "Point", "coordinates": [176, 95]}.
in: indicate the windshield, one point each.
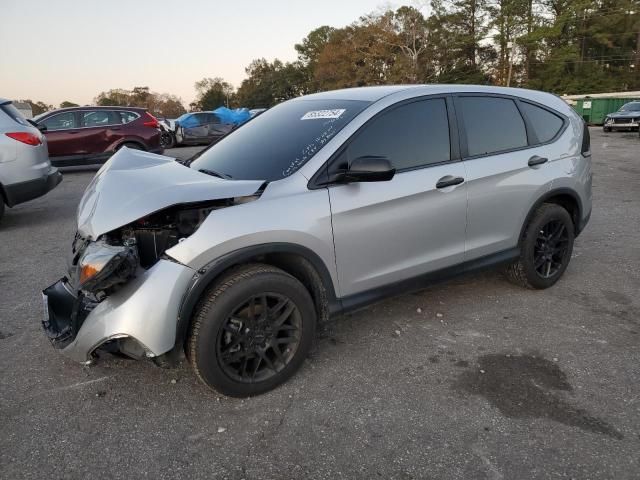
{"type": "Point", "coordinates": [278, 142]}
{"type": "Point", "coordinates": [630, 107]}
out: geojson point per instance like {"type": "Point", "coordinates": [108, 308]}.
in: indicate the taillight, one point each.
{"type": "Point", "coordinates": [151, 122]}
{"type": "Point", "coordinates": [586, 141]}
{"type": "Point", "coordinates": [25, 137]}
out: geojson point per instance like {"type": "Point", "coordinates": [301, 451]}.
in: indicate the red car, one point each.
{"type": "Point", "coordinates": [89, 135]}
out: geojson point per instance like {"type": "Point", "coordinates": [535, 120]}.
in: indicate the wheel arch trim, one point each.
{"type": "Point", "coordinates": [555, 192]}
{"type": "Point", "coordinates": [210, 272]}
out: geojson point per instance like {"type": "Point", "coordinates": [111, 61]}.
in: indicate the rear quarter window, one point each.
{"type": "Point", "coordinates": [13, 113]}
{"type": "Point", "coordinates": [128, 117]}
{"type": "Point", "coordinates": [545, 124]}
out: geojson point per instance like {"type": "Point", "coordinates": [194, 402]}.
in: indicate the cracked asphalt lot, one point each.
{"type": "Point", "coordinates": [472, 379]}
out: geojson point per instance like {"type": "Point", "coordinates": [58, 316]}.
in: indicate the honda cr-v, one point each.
{"type": "Point", "coordinates": [320, 205]}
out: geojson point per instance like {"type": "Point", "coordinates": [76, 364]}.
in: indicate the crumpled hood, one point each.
{"type": "Point", "coordinates": [133, 184]}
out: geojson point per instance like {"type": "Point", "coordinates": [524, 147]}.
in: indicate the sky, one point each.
{"type": "Point", "coordinates": [56, 50]}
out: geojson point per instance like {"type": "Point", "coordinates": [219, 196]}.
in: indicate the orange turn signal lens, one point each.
{"type": "Point", "coordinates": [87, 272]}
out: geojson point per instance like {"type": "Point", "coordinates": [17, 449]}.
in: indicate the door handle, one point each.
{"type": "Point", "coordinates": [449, 181]}
{"type": "Point", "coordinates": [536, 160]}
{"type": "Point", "coordinates": [73, 132]}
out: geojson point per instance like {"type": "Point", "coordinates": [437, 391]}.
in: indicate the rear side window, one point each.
{"type": "Point", "coordinates": [128, 117]}
{"type": "Point", "coordinates": [410, 136]}
{"type": "Point", "coordinates": [100, 118]}
{"type": "Point", "coordinates": [545, 124]}
{"type": "Point", "coordinates": [60, 121]}
{"type": "Point", "coordinates": [14, 114]}
{"type": "Point", "coordinates": [492, 125]}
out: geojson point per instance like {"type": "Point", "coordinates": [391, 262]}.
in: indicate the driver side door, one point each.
{"type": "Point", "coordinates": [390, 231]}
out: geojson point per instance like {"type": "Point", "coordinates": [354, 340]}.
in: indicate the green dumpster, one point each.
{"type": "Point", "coordinates": [594, 110]}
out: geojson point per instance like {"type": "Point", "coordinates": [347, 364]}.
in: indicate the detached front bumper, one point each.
{"type": "Point", "coordinates": [144, 311]}
{"type": "Point", "coordinates": [621, 124]}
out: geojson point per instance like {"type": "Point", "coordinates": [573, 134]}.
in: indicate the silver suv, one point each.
{"type": "Point", "coordinates": [25, 170]}
{"type": "Point", "coordinates": [318, 206]}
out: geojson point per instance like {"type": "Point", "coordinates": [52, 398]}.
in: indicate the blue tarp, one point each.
{"type": "Point", "coordinates": [237, 116]}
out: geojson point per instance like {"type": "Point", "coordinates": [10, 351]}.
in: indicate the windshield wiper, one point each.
{"type": "Point", "coordinates": [215, 174]}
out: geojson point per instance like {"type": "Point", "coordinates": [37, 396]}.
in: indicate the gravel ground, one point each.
{"type": "Point", "coordinates": [472, 379]}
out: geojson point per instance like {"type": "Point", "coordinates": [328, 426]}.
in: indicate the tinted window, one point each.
{"type": "Point", "coordinates": [630, 107]}
{"type": "Point", "coordinates": [61, 121]}
{"type": "Point", "coordinates": [277, 143]}
{"type": "Point", "coordinates": [14, 113]}
{"type": "Point", "coordinates": [492, 124]}
{"type": "Point", "coordinates": [126, 117]}
{"type": "Point", "coordinates": [412, 135]}
{"type": "Point", "coordinates": [545, 123]}
{"type": "Point", "coordinates": [100, 118]}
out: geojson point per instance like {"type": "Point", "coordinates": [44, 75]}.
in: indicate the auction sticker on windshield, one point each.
{"type": "Point", "coordinates": [318, 114]}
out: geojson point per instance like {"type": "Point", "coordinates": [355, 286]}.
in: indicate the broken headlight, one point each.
{"type": "Point", "coordinates": [103, 266]}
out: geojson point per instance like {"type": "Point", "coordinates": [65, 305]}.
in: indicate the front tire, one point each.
{"type": "Point", "coordinates": [1, 207]}
{"type": "Point", "coordinates": [251, 331]}
{"type": "Point", "coordinates": [545, 248]}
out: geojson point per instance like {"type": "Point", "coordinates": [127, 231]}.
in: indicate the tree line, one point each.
{"type": "Point", "coordinates": [560, 46]}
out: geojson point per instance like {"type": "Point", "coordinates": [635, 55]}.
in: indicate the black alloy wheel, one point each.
{"type": "Point", "coordinates": [550, 251]}
{"type": "Point", "coordinates": [259, 338]}
{"type": "Point", "coordinates": [545, 248]}
{"type": "Point", "coordinates": [251, 331]}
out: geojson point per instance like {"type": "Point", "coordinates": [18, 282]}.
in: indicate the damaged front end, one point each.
{"type": "Point", "coordinates": [121, 292]}
{"type": "Point", "coordinates": [99, 269]}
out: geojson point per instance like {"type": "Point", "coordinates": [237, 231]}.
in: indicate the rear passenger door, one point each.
{"type": "Point", "coordinates": [498, 142]}
{"type": "Point", "coordinates": [100, 130]}
{"type": "Point", "coordinates": [385, 232]}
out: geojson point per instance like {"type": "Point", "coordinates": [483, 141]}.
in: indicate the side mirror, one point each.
{"type": "Point", "coordinates": [369, 169]}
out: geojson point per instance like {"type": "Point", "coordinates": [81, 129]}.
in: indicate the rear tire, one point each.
{"type": "Point", "coordinates": [545, 248]}
{"type": "Point", "coordinates": [251, 331]}
{"type": "Point", "coordinates": [1, 206]}
{"type": "Point", "coordinates": [606, 129]}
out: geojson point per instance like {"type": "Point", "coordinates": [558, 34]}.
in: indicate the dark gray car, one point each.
{"type": "Point", "coordinates": [200, 128]}
{"type": "Point", "coordinates": [628, 117]}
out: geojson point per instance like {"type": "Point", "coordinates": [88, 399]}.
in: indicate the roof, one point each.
{"type": "Point", "coordinates": [373, 94]}
{"type": "Point", "coordinates": [367, 94]}
{"type": "Point", "coordinates": [96, 107]}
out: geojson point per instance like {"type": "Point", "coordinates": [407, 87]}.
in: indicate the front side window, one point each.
{"type": "Point", "coordinates": [61, 121]}
{"type": "Point", "coordinates": [492, 124]}
{"type": "Point", "coordinates": [277, 143]}
{"type": "Point", "coordinates": [409, 136]}
{"type": "Point", "coordinates": [100, 118]}
{"type": "Point", "coordinates": [211, 118]}
{"type": "Point", "coordinates": [545, 124]}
